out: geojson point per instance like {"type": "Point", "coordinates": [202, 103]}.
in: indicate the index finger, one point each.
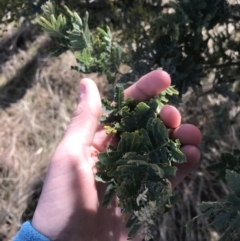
{"type": "Point", "coordinates": [149, 85]}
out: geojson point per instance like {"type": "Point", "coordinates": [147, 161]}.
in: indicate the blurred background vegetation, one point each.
{"type": "Point", "coordinates": [196, 41]}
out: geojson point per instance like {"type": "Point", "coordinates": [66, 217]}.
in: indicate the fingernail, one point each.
{"type": "Point", "coordinates": [82, 90]}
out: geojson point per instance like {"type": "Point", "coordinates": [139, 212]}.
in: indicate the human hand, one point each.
{"type": "Point", "coordinates": [69, 206]}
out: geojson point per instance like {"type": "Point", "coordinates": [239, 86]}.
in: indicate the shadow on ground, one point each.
{"type": "Point", "coordinates": [16, 88]}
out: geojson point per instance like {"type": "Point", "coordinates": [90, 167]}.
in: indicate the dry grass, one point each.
{"type": "Point", "coordinates": [37, 99]}
{"type": "Point", "coordinates": [214, 115]}
{"type": "Point", "coordinates": [38, 94]}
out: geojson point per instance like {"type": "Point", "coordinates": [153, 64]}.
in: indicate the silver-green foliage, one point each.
{"type": "Point", "coordinates": [94, 52]}
{"type": "Point", "coordinates": [138, 169]}
{"type": "Point", "coordinates": [225, 214]}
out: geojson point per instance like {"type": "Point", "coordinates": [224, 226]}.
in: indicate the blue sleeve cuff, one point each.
{"type": "Point", "coordinates": [28, 233]}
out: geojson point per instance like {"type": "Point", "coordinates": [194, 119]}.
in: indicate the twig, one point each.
{"type": "Point", "coordinates": [221, 65]}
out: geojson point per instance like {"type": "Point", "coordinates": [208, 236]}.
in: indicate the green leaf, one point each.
{"type": "Point", "coordinates": [228, 158]}
{"type": "Point", "coordinates": [112, 172]}
{"type": "Point", "coordinates": [129, 155]}
{"type": "Point", "coordinates": [177, 155]}
{"type": "Point", "coordinates": [102, 177]}
{"type": "Point", "coordinates": [233, 200]}
{"type": "Point", "coordinates": [100, 166]}
{"type": "Point", "coordinates": [157, 170]}
{"type": "Point", "coordinates": [124, 143]}
{"type": "Point", "coordinates": [143, 113]}
{"type": "Point", "coordinates": [137, 118]}
{"type": "Point", "coordinates": [231, 230]}
{"type": "Point", "coordinates": [157, 132]}
{"type": "Point", "coordinates": [109, 158]}
{"type": "Point", "coordinates": [102, 32]}
{"type": "Point", "coordinates": [200, 5]}
{"type": "Point", "coordinates": [147, 139]}
{"type": "Point", "coordinates": [223, 219]}
{"type": "Point", "coordinates": [131, 142]}
{"type": "Point", "coordinates": [189, 225]}
{"type": "Point", "coordinates": [168, 170]}
{"type": "Point", "coordinates": [109, 195]}
{"type": "Point", "coordinates": [87, 33]}
{"type": "Point", "coordinates": [129, 169]}
{"type": "Point", "coordinates": [119, 96]}
{"type": "Point", "coordinates": [211, 208]}
{"type": "Point", "coordinates": [233, 180]}
{"type": "Point", "coordinates": [122, 162]}
{"type": "Point", "coordinates": [107, 104]}
{"type": "Point", "coordinates": [131, 221]}
{"type": "Point", "coordinates": [236, 152]}
{"type": "Point", "coordinates": [216, 167]}
{"type": "Point", "coordinates": [70, 32]}
{"type": "Point", "coordinates": [138, 162]}
{"type": "Point", "coordinates": [133, 231]}
{"type": "Point", "coordinates": [164, 156]}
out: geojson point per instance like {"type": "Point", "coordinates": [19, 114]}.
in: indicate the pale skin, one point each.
{"type": "Point", "coordinates": [69, 207]}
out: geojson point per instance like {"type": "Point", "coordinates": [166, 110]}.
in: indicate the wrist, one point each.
{"type": "Point", "coordinates": [48, 230]}
{"type": "Point", "coordinates": [42, 225]}
{"type": "Point", "coordinates": [29, 233]}
{"type": "Point", "coordinates": [51, 226]}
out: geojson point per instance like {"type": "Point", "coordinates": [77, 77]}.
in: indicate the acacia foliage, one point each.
{"type": "Point", "coordinates": [94, 52]}
{"type": "Point", "coordinates": [175, 36]}
{"type": "Point", "coordinates": [224, 215]}
{"type": "Point", "coordinates": [138, 169]}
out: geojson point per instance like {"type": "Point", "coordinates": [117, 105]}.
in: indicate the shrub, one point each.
{"type": "Point", "coordinates": [191, 39]}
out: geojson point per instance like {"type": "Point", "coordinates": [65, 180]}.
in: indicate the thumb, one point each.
{"type": "Point", "coordinates": [85, 119]}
